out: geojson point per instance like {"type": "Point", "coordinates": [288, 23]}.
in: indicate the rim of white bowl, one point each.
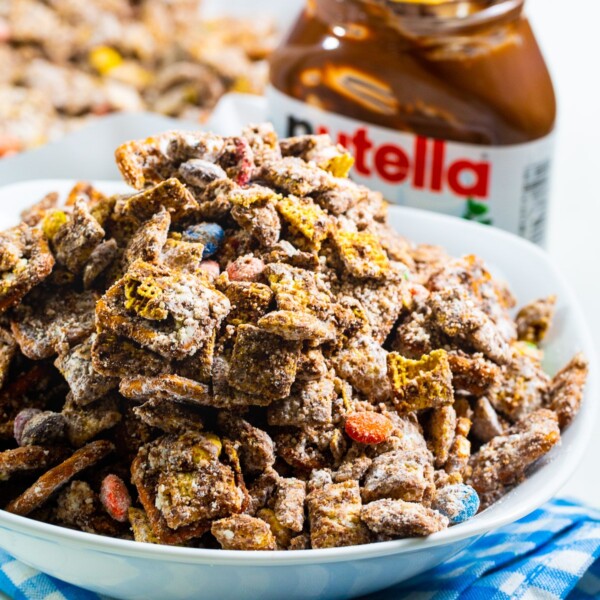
{"type": "Point", "coordinates": [479, 525]}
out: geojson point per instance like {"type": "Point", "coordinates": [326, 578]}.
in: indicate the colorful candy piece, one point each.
{"type": "Point", "coordinates": [245, 268]}
{"type": "Point", "coordinates": [211, 235]}
{"type": "Point", "coordinates": [211, 268]}
{"type": "Point", "coordinates": [369, 427]}
{"type": "Point", "coordinates": [115, 497]}
{"type": "Point", "coordinates": [21, 420]}
{"type": "Point", "coordinates": [458, 502]}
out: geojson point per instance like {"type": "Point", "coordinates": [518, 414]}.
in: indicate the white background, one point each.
{"type": "Point", "coordinates": [568, 34]}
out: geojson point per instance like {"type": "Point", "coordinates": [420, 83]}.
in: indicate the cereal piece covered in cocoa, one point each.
{"type": "Point", "coordinates": [472, 373]}
{"type": "Point", "coordinates": [289, 503]}
{"type": "Point", "coordinates": [299, 290]}
{"type": "Point", "coordinates": [242, 532]}
{"type": "Point", "coordinates": [419, 384]}
{"type": "Point", "coordinates": [225, 395]}
{"type": "Point", "coordinates": [87, 192]}
{"type": "Point", "coordinates": [310, 403]}
{"type": "Point", "coordinates": [297, 326]}
{"type": "Point", "coordinates": [566, 390]}
{"type": "Point", "coordinates": [305, 217]}
{"type": "Point", "coordinates": [534, 320]}
{"type": "Point", "coordinates": [399, 474]}
{"type": "Point", "coordinates": [178, 255]}
{"type": "Point", "coordinates": [51, 319]}
{"type": "Point", "coordinates": [522, 384]}
{"type": "Point", "coordinates": [85, 383]}
{"type": "Point", "coordinates": [442, 426]}
{"type": "Point", "coordinates": [148, 241]}
{"type": "Point", "coordinates": [492, 295]}
{"type": "Point", "coordinates": [300, 450]}
{"type": "Point", "coordinates": [354, 466]}
{"type": "Point", "coordinates": [165, 387]}
{"type": "Point", "coordinates": [363, 362]}
{"type": "Point", "coordinates": [85, 423]}
{"type": "Point", "coordinates": [382, 300]}
{"type": "Point", "coordinates": [257, 451]}
{"type": "Point", "coordinates": [147, 162]}
{"type": "Point", "coordinates": [361, 254]}
{"type": "Point", "coordinates": [76, 238]}
{"type": "Point", "coordinates": [170, 194]}
{"type": "Point", "coordinates": [173, 314]}
{"type": "Point", "coordinates": [117, 356]}
{"type": "Point", "coordinates": [99, 261]}
{"type": "Point", "coordinates": [140, 526]}
{"type": "Point", "coordinates": [487, 424]}
{"type": "Point", "coordinates": [294, 176]}
{"type": "Point", "coordinates": [502, 462]}
{"type": "Point", "coordinates": [321, 150]}
{"type": "Point", "coordinates": [262, 489]}
{"type": "Point", "coordinates": [415, 336]}
{"type": "Point", "coordinates": [25, 261]}
{"type": "Point", "coordinates": [460, 451]}
{"type": "Point", "coordinates": [311, 365]}
{"type": "Point", "coordinates": [334, 514]}
{"type": "Point", "coordinates": [35, 214]}
{"type": "Point", "coordinates": [459, 318]}
{"type": "Point", "coordinates": [249, 301]}
{"type": "Point", "coordinates": [263, 363]}
{"type": "Point", "coordinates": [398, 518]}
{"type": "Point", "coordinates": [263, 142]}
{"type": "Point", "coordinates": [186, 480]}
{"type": "Point", "coordinates": [261, 221]}
{"type": "Point", "coordinates": [171, 415]}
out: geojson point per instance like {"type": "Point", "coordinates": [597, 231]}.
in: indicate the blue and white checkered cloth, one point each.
{"type": "Point", "coordinates": [552, 553]}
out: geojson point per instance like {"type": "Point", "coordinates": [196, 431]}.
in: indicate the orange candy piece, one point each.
{"type": "Point", "coordinates": [369, 427]}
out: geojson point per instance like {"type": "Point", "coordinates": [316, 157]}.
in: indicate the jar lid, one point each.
{"type": "Point", "coordinates": [429, 16]}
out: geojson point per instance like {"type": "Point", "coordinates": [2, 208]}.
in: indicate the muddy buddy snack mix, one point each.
{"type": "Point", "coordinates": [65, 63]}
{"type": "Point", "coordinates": [241, 353]}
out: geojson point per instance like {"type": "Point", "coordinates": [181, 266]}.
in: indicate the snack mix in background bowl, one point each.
{"type": "Point", "coordinates": [243, 354]}
{"type": "Point", "coordinates": [65, 62]}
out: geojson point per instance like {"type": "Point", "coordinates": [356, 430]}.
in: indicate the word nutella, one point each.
{"type": "Point", "coordinates": [444, 109]}
{"type": "Point", "coordinates": [423, 165]}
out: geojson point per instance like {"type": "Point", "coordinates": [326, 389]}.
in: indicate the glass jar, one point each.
{"type": "Point", "coordinates": [447, 105]}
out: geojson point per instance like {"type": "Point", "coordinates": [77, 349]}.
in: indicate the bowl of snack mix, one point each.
{"type": "Point", "coordinates": [66, 64]}
{"type": "Point", "coordinates": [240, 374]}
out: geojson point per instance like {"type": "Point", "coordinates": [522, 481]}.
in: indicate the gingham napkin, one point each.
{"type": "Point", "coordinates": [552, 553]}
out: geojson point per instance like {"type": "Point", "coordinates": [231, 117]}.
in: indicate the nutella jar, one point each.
{"type": "Point", "coordinates": [446, 105]}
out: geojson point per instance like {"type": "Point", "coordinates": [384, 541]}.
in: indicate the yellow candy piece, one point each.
{"type": "Point", "coordinates": [104, 59]}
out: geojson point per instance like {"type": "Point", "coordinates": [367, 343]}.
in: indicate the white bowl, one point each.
{"type": "Point", "coordinates": [125, 569]}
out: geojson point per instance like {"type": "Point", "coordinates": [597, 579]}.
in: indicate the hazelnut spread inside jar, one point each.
{"type": "Point", "coordinates": [446, 105]}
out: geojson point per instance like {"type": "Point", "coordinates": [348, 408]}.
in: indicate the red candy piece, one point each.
{"type": "Point", "coordinates": [368, 427]}
{"type": "Point", "coordinates": [115, 497]}
{"type": "Point", "coordinates": [245, 268]}
{"type": "Point", "coordinates": [244, 157]}
{"type": "Point", "coordinates": [211, 268]}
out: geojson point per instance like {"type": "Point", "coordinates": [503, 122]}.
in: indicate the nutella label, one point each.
{"type": "Point", "coordinates": [504, 186]}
